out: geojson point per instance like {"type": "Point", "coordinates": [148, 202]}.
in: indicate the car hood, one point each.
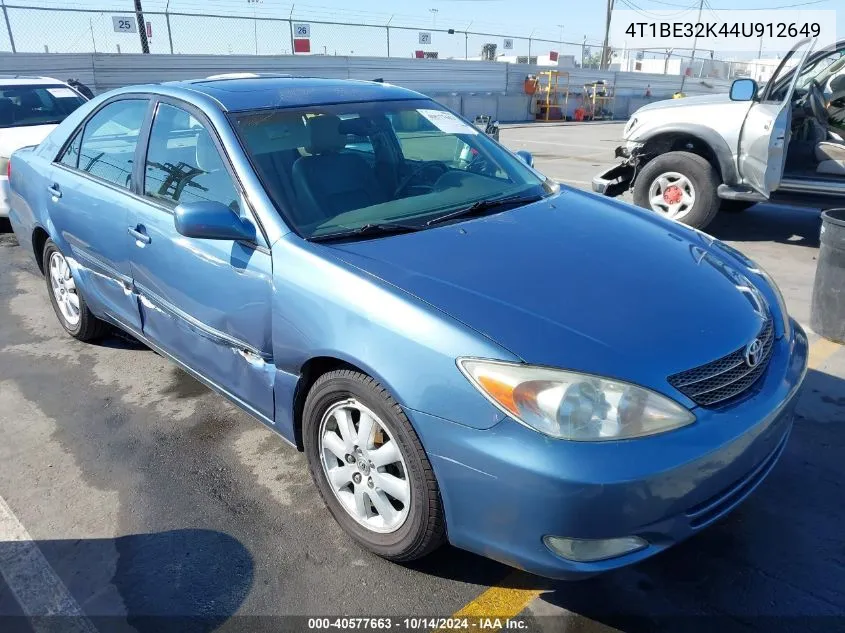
{"type": "Point", "coordinates": [13, 138]}
{"type": "Point", "coordinates": [580, 282]}
{"type": "Point", "coordinates": [686, 102]}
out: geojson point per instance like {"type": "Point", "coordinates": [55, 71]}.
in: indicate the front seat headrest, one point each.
{"type": "Point", "coordinates": [324, 134]}
{"type": "Point", "coordinates": [837, 84]}
{"type": "Point", "coordinates": [29, 99]}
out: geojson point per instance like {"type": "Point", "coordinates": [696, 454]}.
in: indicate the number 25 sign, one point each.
{"type": "Point", "coordinates": [124, 24]}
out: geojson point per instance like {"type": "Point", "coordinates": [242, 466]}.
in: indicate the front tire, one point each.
{"type": "Point", "coordinates": [680, 186]}
{"type": "Point", "coordinates": [370, 467]}
{"type": "Point", "coordinates": [68, 302]}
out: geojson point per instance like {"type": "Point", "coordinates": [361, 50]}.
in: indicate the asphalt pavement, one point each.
{"type": "Point", "coordinates": [155, 505]}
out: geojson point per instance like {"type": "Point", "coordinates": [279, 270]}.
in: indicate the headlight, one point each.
{"type": "Point", "coordinates": [574, 406]}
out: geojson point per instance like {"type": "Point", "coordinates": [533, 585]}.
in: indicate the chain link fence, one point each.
{"type": "Point", "coordinates": [28, 29]}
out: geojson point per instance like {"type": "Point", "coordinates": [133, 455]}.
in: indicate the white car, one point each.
{"type": "Point", "coordinates": [30, 107]}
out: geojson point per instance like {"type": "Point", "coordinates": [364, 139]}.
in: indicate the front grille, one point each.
{"type": "Point", "coordinates": [726, 377]}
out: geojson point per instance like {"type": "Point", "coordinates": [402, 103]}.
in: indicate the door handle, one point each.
{"type": "Point", "coordinates": [139, 234]}
{"type": "Point", "coordinates": [55, 191]}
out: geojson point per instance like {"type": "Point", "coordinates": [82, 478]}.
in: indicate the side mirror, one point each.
{"type": "Point", "coordinates": [743, 90]}
{"type": "Point", "coordinates": [212, 221]}
{"type": "Point", "coordinates": [525, 157]}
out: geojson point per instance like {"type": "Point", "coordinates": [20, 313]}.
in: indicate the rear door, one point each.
{"type": "Point", "coordinates": [90, 190]}
{"type": "Point", "coordinates": [205, 302]}
{"type": "Point", "coordinates": [765, 133]}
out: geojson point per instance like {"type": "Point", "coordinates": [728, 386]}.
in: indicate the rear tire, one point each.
{"type": "Point", "coordinates": [680, 186]}
{"type": "Point", "coordinates": [66, 297]}
{"type": "Point", "coordinates": [335, 411]}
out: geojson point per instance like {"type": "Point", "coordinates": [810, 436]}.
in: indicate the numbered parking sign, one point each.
{"type": "Point", "coordinates": [302, 30]}
{"type": "Point", "coordinates": [124, 24]}
{"type": "Point", "coordinates": [508, 44]}
{"type": "Point", "coordinates": [425, 37]}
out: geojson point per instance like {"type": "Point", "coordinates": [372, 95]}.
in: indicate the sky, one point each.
{"type": "Point", "coordinates": [549, 20]}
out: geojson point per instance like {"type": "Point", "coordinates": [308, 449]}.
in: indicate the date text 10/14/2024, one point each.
{"type": "Point", "coordinates": [418, 624]}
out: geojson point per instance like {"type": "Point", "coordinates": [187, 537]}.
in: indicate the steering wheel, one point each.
{"type": "Point", "coordinates": [815, 99]}
{"type": "Point", "coordinates": [407, 180]}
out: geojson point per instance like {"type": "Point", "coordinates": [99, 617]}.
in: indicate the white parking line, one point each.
{"type": "Point", "coordinates": [37, 588]}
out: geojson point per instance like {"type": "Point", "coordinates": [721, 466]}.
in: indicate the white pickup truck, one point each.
{"type": "Point", "coordinates": [688, 158]}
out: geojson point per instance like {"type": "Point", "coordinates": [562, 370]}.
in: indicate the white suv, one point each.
{"type": "Point", "coordinates": [30, 107]}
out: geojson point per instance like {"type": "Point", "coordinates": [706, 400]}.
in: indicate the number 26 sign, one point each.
{"type": "Point", "coordinates": [302, 30]}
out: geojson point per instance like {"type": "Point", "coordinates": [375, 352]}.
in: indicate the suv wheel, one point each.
{"type": "Point", "coordinates": [680, 186]}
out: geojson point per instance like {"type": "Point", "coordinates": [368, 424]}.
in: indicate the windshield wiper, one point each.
{"type": "Point", "coordinates": [482, 206]}
{"type": "Point", "coordinates": [379, 228]}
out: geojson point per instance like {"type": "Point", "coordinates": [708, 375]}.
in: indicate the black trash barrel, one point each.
{"type": "Point", "coordinates": [827, 316]}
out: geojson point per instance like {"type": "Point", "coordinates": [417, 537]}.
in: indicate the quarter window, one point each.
{"type": "Point", "coordinates": [183, 164]}
{"type": "Point", "coordinates": [109, 141]}
{"type": "Point", "coordinates": [70, 157]}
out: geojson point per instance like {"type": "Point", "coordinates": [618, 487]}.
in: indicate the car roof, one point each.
{"type": "Point", "coordinates": [23, 80]}
{"type": "Point", "coordinates": [237, 93]}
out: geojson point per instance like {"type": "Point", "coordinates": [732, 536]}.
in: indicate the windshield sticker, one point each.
{"type": "Point", "coordinates": [447, 122]}
{"type": "Point", "coordinates": [61, 93]}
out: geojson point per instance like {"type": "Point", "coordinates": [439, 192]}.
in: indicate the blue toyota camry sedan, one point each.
{"type": "Point", "coordinates": [463, 349]}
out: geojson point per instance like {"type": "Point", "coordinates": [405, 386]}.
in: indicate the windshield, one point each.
{"type": "Point", "coordinates": [36, 105]}
{"type": "Point", "coordinates": [346, 167]}
{"type": "Point", "coordinates": [823, 70]}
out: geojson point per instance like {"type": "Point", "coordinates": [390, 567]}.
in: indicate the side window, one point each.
{"type": "Point", "coordinates": [183, 164]}
{"type": "Point", "coordinates": [70, 157]}
{"type": "Point", "coordinates": [109, 140]}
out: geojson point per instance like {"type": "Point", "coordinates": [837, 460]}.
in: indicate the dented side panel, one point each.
{"type": "Point", "coordinates": [89, 225]}
{"type": "Point", "coordinates": [207, 302]}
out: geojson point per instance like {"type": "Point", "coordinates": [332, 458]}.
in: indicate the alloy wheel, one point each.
{"type": "Point", "coordinates": [64, 288]}
{"type": "Point", "coordinates": [364, 466]}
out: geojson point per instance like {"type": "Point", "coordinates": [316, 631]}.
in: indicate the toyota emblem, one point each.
{"type": "Point", "coordinates": [754, 353]}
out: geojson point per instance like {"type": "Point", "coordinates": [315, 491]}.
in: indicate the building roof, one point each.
{"type": "Point", "coordinates": [236, 93]}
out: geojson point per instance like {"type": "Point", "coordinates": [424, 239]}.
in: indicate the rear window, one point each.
{"type": "Point", "coordinates": [36, 105]}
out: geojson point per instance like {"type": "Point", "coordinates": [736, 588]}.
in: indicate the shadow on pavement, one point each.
{"type": "Point", "coordinates": [186, 581]}
{"type": "Point", "coordinates": [769, 223]}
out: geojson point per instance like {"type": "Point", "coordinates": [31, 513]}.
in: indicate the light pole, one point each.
{"type": "Point", "coordinates": [142, 27]}
{"type": "Point", "coordinates": [433, 17]}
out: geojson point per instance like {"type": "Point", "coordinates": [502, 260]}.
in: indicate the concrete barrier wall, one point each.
{"type": "Point", "coordinates": [469, 87]}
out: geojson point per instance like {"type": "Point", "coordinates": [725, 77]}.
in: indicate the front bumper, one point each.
{"type": "Point", "coordinates": [616, 180]}
{"type": "Point", "coordinates": [507, 487]}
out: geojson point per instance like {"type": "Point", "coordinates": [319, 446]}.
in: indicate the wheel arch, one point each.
{"type": "Point", "coordinates": [310, 372]}
{"type": "Point", "coordinates": [39, 240]}
{"type": "Point", "coordinates": [696, 139]}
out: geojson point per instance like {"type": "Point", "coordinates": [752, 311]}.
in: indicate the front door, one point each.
{"type": "Point", "coordinates": [205, 302]}
{"type": "Point", "coordinates": [90, 191]}
{"type": "Point", "coordinates": [766, 131]}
